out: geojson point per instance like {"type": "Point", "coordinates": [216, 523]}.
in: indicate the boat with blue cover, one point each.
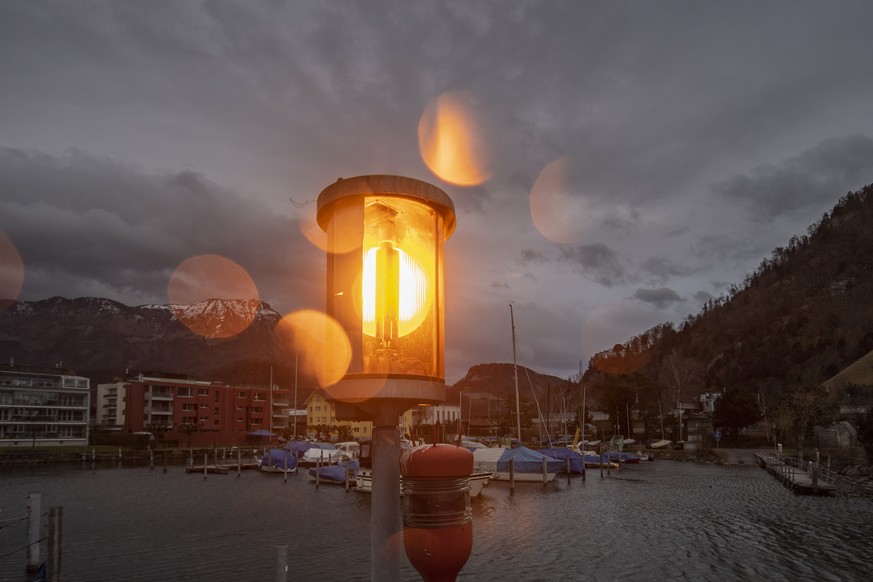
{"type": "Point", "coordinates": [336, 474]}
{"type": "Point", "coordinates": [528, 464]}
{"type": "Point", "coordinates": [278, 461]}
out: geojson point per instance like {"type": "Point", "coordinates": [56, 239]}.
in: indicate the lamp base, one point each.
{"type": "Point", "coordinates": [366, 397]}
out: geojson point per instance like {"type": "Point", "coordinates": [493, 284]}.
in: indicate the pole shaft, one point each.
{"type": "Point", "coordinates": [386, 521]}
{"type": "Point", "coordinates": [55, 539]}
{"type": "Point", "coordinates": [33, 531]}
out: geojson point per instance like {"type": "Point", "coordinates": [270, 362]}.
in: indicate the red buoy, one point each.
{"type": "Point", "coordinates": [437, 517]}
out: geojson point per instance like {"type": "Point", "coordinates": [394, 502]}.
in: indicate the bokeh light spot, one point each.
{"type": "Point", "coordinates": [198, 285]}
{"type": "Point", "coordinates": [323, 347]}
{"type": "Point", "coordinates": [313, 233]}
{"type": "Point", "coordinates": [559, 212]}
{"type": "Point", "coordinates": [11, 272]}
{"type": "Point", "coordinates": [452, 140]}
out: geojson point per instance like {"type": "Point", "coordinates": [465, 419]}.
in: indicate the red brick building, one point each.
{"type": "Point", "coordinates": [205, 412]}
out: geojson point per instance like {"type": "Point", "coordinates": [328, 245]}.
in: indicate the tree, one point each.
{"type": "Point", "coordinates": [680, 374]}
{"type": "Point", "coordinates": [864, 424]}
{"type": "Point", "coordinates": [801, 409]}
{"type": "Point", "coordinates": [735, 410]}
{"type": "Point", "coordinates": [188, 429]}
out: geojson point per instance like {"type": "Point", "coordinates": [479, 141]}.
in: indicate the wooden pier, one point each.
{"type": "Point", "coordinates": [220, 469]}
{"type": "Point", "coordinates": [799, 475]}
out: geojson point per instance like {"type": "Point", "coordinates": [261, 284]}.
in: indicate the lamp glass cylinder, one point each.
{"type": "Point", "coordinates": [385, 237]}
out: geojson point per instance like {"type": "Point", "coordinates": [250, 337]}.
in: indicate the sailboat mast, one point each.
{"type": "Point", "coordinates": [515, 366]}
{"type": "Point", "coordinates": [295, 396]}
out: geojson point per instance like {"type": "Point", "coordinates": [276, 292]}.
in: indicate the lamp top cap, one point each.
{"type": "Point", "coordinates": [386, 185]}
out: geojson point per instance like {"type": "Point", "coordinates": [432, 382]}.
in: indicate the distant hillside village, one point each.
{"type": "Point", "coordinates": [55, 407]}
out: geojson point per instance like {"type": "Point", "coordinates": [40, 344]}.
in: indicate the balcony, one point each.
{"type": "Point", "coordinates": [162, 397]}
{"type": "Point", "coordinates": [159, 409]}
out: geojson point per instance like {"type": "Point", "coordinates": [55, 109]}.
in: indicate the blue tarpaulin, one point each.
{"type": "Point", "coordinates": [261, 433]}
{"type": "Point", "coordinates": [562, 454]}
{"type": "Point", "coordinates": [279, 459]}
{"type": "Point", "coordinates": [527, 461]}
{"type": "Point", "coordinates": [298, 447]}
{"type": "Point", "coordinates": [336, 473]}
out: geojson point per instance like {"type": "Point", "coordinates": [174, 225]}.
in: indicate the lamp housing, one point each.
{"type": "Point", "coordinates": [385, 285]}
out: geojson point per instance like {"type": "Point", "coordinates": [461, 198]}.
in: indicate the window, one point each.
{"type": "Point", "coordinates": [203, 405]}
{"type": "Point", "coordinates": [189, 407]}
{"type": "Point", "coordinates": [185, 391]}
{"type": "Point", "coordinates": [241, 394]}
{"type": "Point", "coordinates": [203, 392]}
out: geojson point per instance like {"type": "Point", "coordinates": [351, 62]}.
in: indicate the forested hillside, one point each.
{"type": "Point", "coordinates": [802, 316]}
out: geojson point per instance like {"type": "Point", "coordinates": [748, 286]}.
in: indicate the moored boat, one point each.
{"type": "Point", "coordinates": [336, 474]}
{"type": "Point", "coordinates": [278, 461]}
{"type": "Point", "coordinates": [527, 464]}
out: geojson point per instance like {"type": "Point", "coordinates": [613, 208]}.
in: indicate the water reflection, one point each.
{"type": "Point", "coordinates": [655, 521]}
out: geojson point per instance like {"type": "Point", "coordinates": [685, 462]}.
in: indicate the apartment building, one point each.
{"type": "Point", "coordinates": [322, 412]}
{"type": "Point", "coordinates": [198, 412]}
{"type": "Point", "coordinates": [43, 406]}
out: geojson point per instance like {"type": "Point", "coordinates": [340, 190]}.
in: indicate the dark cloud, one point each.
{"type": "Point", "coordinates": [728, 246]}
{"type": "Point", "coordinates": [810, 179]}
{"type": "Point", "coordinates": [661, 269]}
{"type": "Point", "coordinates": [596, 262]}
{"type": "Point", "coordinates": [91, 226]}
{"type": "Point", "coordinates": [661, 298]}
{"type": "Point", "coordinates": [533, 256]}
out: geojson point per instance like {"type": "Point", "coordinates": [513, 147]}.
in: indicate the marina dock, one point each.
{"type": "Point", "coordinates": [220, 469]}
{"type": "Point", "coordinates": [799, 475]}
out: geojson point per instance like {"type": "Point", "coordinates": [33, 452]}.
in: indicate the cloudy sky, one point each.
{"type": "Point", "coordinates": [623, 161]}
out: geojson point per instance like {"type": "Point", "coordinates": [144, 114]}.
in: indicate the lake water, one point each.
{"type": "Point", "coordinates": [656, 521]}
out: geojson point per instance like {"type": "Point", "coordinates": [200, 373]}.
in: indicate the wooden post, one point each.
{"type": "Point", "coordinates": [238, 463]}
{"type": "Point", "coordinates": [545, 472]}
{"type": "Point", "coordinates": [165, 461]}
{"type": "Point", "coordinates": [568, 470]}
{"type": "Point", "coordinates": [55, 539]}
{"type": "Point", "coordinates": [511, 476]}
{"type": "Point", "coordinates": [285, 479]}
{"type": "Point", "coordinates": [205, 463]}
{"type": "Point", "coordinates": [281, 563]}
{"type": "Point", "coordinates": [33, 531]}
{"type": "Point", "coordinates": [152, 459]}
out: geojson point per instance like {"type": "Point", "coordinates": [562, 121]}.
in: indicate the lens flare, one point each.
{"type": "Point", "coordinates": [198, 285]}
{"type": "Point", "coordinates": [11, 272]}
{"type": "Point", "coordinates": [323, 347]}
{"type": "Point", "coordinates": [314, 234]}
{"type": "Point", "coordinates": [559, 212]}
{"type": "Point", "coordinates": [452, 140]}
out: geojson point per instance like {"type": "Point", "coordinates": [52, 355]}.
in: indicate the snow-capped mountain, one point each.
{"type": "Point", "coordinates": [102, 339]}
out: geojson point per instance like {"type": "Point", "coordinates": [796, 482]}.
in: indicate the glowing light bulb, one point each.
{"type": "Point", "coordinates": [395, 294]}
